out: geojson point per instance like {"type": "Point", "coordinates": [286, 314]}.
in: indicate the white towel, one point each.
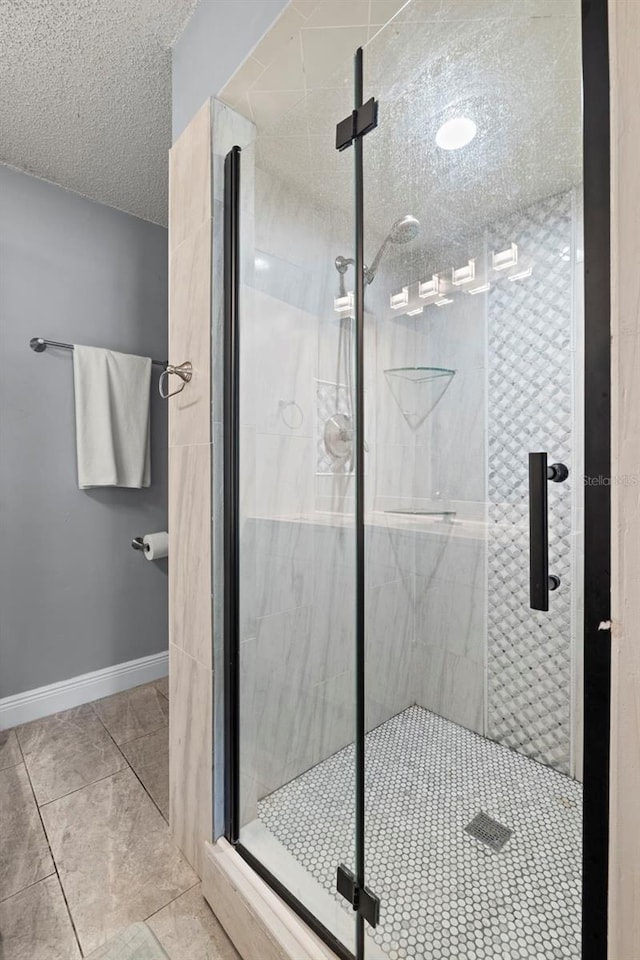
{"type": "Point", "coordinates": [112, 392]}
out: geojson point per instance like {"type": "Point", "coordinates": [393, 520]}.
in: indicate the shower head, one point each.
{"type": "Point", "coordinates": [403, 231]}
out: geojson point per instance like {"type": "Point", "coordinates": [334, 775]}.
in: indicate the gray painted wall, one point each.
{"type": "Point", "coordinates": [74, 596]}
{"type": "Point", "coordinates": [218, 37]}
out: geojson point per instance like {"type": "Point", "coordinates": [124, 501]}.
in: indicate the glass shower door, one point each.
{"type": "Point", "coordinates": [473, 347]}
{"type": "Point", "coordinates": [294, 816]}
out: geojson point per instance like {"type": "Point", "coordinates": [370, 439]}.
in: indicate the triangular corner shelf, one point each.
{"type": "Point", "coordinates": [417, 390]}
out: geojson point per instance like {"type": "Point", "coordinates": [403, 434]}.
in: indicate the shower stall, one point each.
{"type": "Point", "coordinates": [402, 565]}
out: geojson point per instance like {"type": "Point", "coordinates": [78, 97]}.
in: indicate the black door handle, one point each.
{"type": "Point", "coordinates": [540, 582]}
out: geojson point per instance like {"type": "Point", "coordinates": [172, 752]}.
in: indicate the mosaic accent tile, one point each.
{"type": "Point", "coordinates": [530, 407]}
{"type": "Point", "coordinates": [443, 893]}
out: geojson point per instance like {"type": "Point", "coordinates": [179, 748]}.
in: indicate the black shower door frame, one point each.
{"type": "Point", "coordinates": [597, 505]}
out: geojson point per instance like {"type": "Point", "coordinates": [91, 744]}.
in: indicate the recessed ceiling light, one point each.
{"type": "Point", "coordinates": [456, 133]}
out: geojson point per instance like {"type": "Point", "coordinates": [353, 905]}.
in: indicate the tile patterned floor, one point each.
{"type": "Point", "coordinates": [445, 895]}
{"type": "Point", "coordinates": [86, 857]}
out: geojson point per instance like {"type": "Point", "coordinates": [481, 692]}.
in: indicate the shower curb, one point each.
{"type": "Point", "coordinates": [256, 920]}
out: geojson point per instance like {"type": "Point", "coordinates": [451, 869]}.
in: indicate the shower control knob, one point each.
{"type": "Point", "coordinates": [557, 472]}
{"type": "Point", "coordinates": [554, 582]}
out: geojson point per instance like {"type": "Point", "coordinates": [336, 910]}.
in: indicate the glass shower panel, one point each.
{"type": "Point", "coordinates": [473, 347]}
{"type": "Point", "coordinates": [297, 613]}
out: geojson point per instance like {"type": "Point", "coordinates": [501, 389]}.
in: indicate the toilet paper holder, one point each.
{"type": "Point", "coordinates": [138, 544]}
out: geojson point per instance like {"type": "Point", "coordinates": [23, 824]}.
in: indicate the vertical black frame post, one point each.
{"type": "Point", "coordinates": [359, 508]}
{"type": "Point", "coordinates": [597, 498]}
{"type": "Point", "coordinates": [231, 489]}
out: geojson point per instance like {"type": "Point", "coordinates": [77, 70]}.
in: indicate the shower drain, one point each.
{"type": "Point", "coordinates": [489, 831]}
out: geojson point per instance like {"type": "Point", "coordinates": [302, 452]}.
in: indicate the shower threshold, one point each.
{"type": "Point", "coordinates": [444, 893]}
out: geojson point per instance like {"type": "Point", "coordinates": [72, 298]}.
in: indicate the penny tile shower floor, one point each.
{"type": "Point", "coordinates": [445, 895]}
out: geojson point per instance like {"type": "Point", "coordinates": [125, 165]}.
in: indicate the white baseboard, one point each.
{"type": "Point", "coordinates": [33, 704]}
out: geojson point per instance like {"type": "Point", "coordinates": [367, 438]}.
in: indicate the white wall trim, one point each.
{"type": "Point", "coordinates": [42, 701]}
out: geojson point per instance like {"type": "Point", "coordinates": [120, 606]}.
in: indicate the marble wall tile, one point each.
{"type": "Point", "coordinates": [334, 714]}
{"type": "Point", "coordinates": [188, 928]}
{"type": "Point", "coordinates": [333, 331]}
{"type": "Point", "coordinates": [450, 685]}
{"type": "Point", "coordinates": [282, 584]}
{"type": "Point", "coordinates": [389, 650]}
{"type": "Point", "coordinates": [396, 346]}
{"type": "Point", "coordinates": [276, 726]}
{"type": "Point", "coordinates": [190, 754]}
{"type": "Point", "coordinates": [190, 178]}
{"type": "Point", "coordinates": [286, 468]}
{"type": "Point", "coordinates": [249, 792]}
{"type": "Point", "coordinates": [458, 440]}
{"type": "Point", "coordinates": [190, 336]}
{"type": "Point", "coordinates": [326, 50]}
{"type": "Point", "coordinates": [149, 758]}
{"type": "Point", "coordinates": [279, 335]}
{"type": "Point", "coordinates": [9, 749]}
{"type": "Point", "coordinates": [25, 854]}
{"type": "Point", "coordinates": [228, 129]}
{"type": "Point", "coordinates": [444, 556]}
{"type": "Point", "coordinates": [460, 342]}
{"type": "Point", "coordinates": [190, 550]}
{"type": "Point", "coordinates": [133, 713]}
{"type": "Point", "coordinates": [436, 553]}
{"type": "Point", "coordinates": [333, 620]}
{"type": "Point", "coordinates": [292, 539]}
{"type": "Point", "coordinates": [381, 11]}
{"type": "Point", "coordinates": [394, 475]}
{"type": "Point", "coordinates": [389, 551]}
{"type": "Point", "coordinates": [335, 494]}
{"type": "Point", "coordinates": [66, 751]}
{"type": "Point", "coordinates": [115, 858]}
{"type": "Point", "coordinates": [285, 282]}
{"type": "Point", "coordinates": [291, 228]}
{"type": "Point", "coordinates": [452, 616]}
{"type": "Point", "coordinates": [285, 27]}
{"type": "Point", "coordinates": [423, 486]}
{"type": "Point", "coordinates": [248, 479]}
{"type": "Point", "coordinates": [35, 922]}
{"type": "Point", "coordinates": [235, 88]}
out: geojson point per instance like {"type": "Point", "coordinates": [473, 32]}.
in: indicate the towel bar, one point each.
{"type": "Point", "coordinates": [39, 344]}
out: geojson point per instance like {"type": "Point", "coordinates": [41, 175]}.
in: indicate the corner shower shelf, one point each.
{"type": "Point", "coordinates": [417, 390]}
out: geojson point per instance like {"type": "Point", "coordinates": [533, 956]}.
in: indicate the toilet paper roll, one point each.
{"type": "Point", "coordinates": [156, 545]}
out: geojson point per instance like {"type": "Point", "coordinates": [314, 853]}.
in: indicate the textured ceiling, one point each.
{"type": "Point", "coordinates": [85, 96]}
{"type": "Point", "coordinates": [512, 65]}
